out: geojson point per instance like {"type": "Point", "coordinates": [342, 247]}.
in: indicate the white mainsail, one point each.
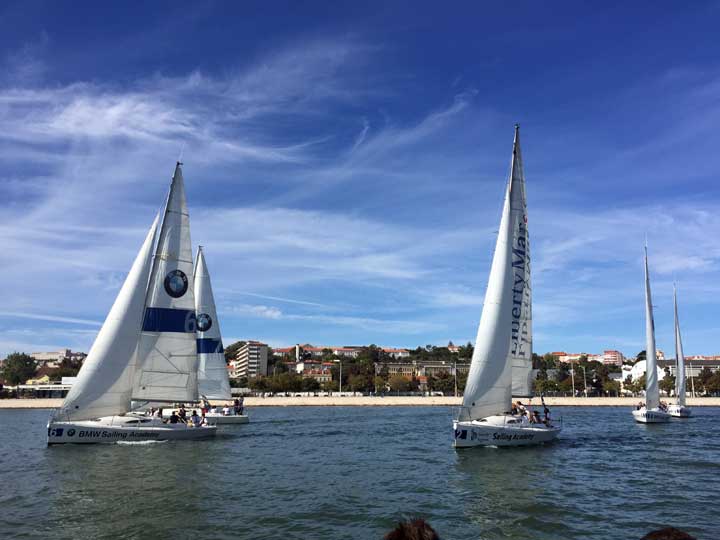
{"type": "Point", "coordinates": [652, 390]}
{"type": "Point", "coordinates": [679, 357]}
{"type": "Point", "coordinates": [520, 353]}
{"type": "Point", "coordinates": [213, 382]}
{"type": "Point", "coordinates": [167, 353]}
{"type": "Point", "coordinates": [105, 381]}
{"type": "Point", "coordinates": [503, 339]}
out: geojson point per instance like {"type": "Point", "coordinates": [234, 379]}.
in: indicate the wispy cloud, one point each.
{"type": "Point", "coordinates": [46, 317]}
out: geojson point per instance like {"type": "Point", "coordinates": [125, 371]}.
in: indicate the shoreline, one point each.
{"type": "Point", "coordinates": [388, 401]}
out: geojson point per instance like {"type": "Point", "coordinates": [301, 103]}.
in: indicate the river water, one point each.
{"type": "Point", "coordinates": [352, 472]}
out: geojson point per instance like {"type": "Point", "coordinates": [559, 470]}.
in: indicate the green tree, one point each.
{"type": "Point", "coordinates": [359, 382]}
{"type": "Point", "coordinates": [232, 349]}
{"type": "Point", "coordinates": [330, 386]}
{"type": "Point", "coordinates": [380, 384]}
{"type": "Point", "coordinates": [398, 383]}
{"type": "Point", "coordinates": [611, 388]}
{"type": "Point", "coordinates": [18, 368]}
{"type": "Point", "coordinates": [259, 384]}
{"type": "Point", "coordinates": [68, 367]}
{"type": "Point", "coordinates": [667, 384]}
{"type": "Point", "coordinates": [704, 379]}
{"type": "Point", "coordinates": [241, 382]}
{"type": "Point", "coordinates": [310, 385]}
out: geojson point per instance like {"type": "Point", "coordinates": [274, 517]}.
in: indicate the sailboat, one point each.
{"type": "Point", "coordinates": [502, 359]}
{"type": "Point", "coordinates": [650, 413]}
{"type": "Point", "coordinates": [679, 409]}
{"type": "Point", "coordinates": [213, 381]}
{"type": "Point", "coordinates": [146, 349]}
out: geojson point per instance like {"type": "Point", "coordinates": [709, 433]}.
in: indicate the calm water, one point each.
{"type": "Point", "coordinates": [333, 473]}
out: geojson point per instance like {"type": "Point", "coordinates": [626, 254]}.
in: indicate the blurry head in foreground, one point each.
{"type": "Point", "coordinates": [668, 533]}
{"type": "Point", "coordinates": [414, 529]}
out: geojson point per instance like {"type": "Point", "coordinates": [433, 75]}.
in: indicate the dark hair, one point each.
{"type": "Point", "coordinates": [415, 529]}
{"type": "Point", "coordinates": [668, 533]}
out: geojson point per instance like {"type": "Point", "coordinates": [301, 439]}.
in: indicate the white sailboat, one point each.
{"type": "Point", "coordinates": [145, 350]}
{"type": "Point", "coordinates": [213, 381]}
{"type": "Point", "coordinates": [679, 409]}
{"type": "Point", "coordinates": [650, 413]}
{"type": "Point", "coordinates": [502, 359]}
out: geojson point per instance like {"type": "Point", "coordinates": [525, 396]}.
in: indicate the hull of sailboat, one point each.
{"type": "Point", "coordinates": [652, 416]}
{"type": "Point", "coordinates": [679, 411]}
{"type": "Point", "coordinates": [483, 433]}
{"type": "Point", "coordinates": [115, 429]}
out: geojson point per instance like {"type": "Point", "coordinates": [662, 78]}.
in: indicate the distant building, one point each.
{"type": "Point", "coordinates": [612, 357]}
{"type": "Point", "coordinates": [397, 353]}
{"type": "Point", "coordinates": [692, 368]}
{"type": "Point", "coordinates": [53, 359]}
{"type": "Point", "coordinates": [453, 348]}
{"type": "Point", "coordinates": [250, 360]}
{"type": "Point", "coordinates": [415, 369]}
{"type": "Point", "coordinates": [567, 358]}
{"type": "Point", "coordinates": [307, 350]}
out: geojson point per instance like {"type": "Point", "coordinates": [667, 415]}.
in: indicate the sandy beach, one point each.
{"type": "Point", "coordinates": [387, 401]}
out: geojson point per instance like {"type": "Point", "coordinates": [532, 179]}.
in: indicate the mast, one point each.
{"type": "Point", "coordinates": [652, 391]}
{"type": "Point", "coordinates": [679, 356]}
{"type": "Point", "coordinates": [489, 384]}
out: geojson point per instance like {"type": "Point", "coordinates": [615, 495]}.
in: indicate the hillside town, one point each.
{"type": "Point", "coordinates": [256, 368]}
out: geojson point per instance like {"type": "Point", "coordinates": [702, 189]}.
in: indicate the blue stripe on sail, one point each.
{"type": "Point", "coordinates": [208, 345]}
{"type": "Point", "coordinates": [169, 320]}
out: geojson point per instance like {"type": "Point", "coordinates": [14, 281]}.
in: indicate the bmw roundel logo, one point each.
{"type": "Point", "coordinates": [176, 283]}
{"type": "Point", "coordinates": [71, 432]}
{"type": "Point", "coordinates": [204, 322]}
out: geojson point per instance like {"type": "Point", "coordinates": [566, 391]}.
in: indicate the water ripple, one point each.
{"type": "Point", "coordinates": [351, 473]}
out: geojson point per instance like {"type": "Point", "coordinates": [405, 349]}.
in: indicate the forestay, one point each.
{"type": "Point", "coordinates": [500, 339]}
{"type": "Point", "coordinates": [105, 381]}
{"type": "Point", "coordinates": [213, 382]}
{"type": "Point", "coordinates": [167, 355]}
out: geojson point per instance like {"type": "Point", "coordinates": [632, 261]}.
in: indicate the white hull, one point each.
{"type": "Point", "coordinates": [496, 431]}
{"type": "Point", "coordinates": [653, 416]}
{"type": "Point", "coordinates": [679, 411]}
{"type": "Point", "coordinates": [220, 418]}
{"type": "Point", "coordinates": [123, 428]}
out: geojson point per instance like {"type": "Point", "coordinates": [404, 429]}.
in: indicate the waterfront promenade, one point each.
{"type": "Point", "coordinates": [387, 401]}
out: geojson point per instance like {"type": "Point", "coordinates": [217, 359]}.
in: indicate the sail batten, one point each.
{"type": "Point", "coordinates": [502, 359]}
{"type": "Point", "coordinates": [213, 381]}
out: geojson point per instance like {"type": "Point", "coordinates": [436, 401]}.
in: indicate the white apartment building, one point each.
{"type": "Point", "coordinates": [250, 361]}
{"type": "Point", "coordinates": [613, 357]}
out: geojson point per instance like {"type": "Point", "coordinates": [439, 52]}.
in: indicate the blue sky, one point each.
{"type": "Point", "coordinates": [345, 164]}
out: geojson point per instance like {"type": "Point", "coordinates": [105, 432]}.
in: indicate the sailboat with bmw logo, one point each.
{"type": "Point", "coordinates": [146, 349]}
{"type": "Point", "coordinates": [502, 360]}
{"type": "Point", "coordinates": [213, 380]}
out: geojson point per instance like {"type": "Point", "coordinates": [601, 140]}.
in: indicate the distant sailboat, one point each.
{"type": "Point", "coordinates": [213, 381]}
{"type": "Point", "coordinates": [146, 349]}
{"type": "Point", "coordinates": [679, 410]}
{"type": "Point", "coordinates": [502, 359]}
{"type": "Point", "coordinates": [651, 413]}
